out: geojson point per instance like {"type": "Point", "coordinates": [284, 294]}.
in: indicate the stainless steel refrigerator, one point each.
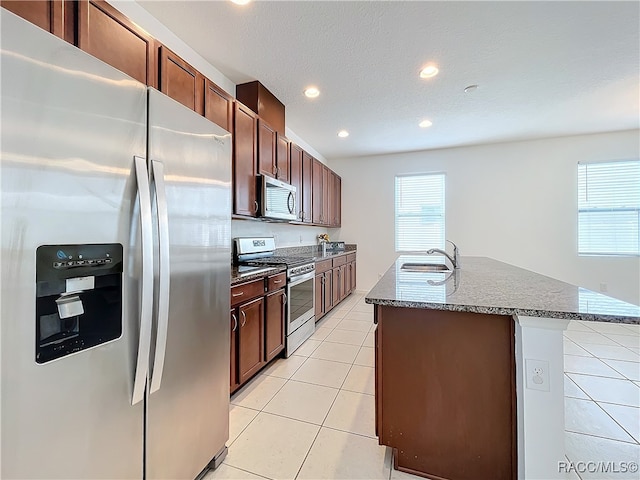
{"type": "Point", "coordinates": [116, 244]}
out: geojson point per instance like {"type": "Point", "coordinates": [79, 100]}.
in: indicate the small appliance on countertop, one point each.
{"type": "Point", "coordinates": [300, 322]}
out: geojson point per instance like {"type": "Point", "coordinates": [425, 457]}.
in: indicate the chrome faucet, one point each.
{"type": "Point", "coordinates": [455, 260]}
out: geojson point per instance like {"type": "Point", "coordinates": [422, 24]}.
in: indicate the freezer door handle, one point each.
{"type": "Point", "coordinates": [164, 277]}
{"type": "Point", "coordinates": [146, 303]}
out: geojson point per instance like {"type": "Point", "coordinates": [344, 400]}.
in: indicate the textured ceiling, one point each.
{"type": "Point", "coordinates": [543, 68]}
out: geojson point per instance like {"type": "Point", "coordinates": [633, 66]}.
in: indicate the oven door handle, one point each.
{"type": "Point", "coordinates": [302, 278]}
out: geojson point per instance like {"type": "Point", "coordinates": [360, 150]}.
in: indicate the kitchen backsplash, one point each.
{"type": "Point", "coordinates": [286, 235]}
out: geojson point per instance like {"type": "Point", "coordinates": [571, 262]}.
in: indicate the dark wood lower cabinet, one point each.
{"type": "Point", "coordinates": [445, 392]}
{"type": "Point", "coordinates": [275, 312]}
{"type": "Point", "coordinates": [233, 384]}
{"type": "Point", "coordinates": [250, 338]}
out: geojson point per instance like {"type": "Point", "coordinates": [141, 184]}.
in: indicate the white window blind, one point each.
{"type": "Point", "coordinates": [419, 212]}
{"type": "Point", "coordinates": [609, 208]}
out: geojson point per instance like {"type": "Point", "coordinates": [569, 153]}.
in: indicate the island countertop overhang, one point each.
{"type": "Point", "coordinates": [485, 285]}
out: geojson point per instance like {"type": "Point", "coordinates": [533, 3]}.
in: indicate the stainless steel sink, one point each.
{"type": "Point", "coordinates": [425, 267]}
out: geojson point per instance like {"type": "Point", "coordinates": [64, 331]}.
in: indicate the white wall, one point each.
{"type": "Point", "coordinates": [514, 202]}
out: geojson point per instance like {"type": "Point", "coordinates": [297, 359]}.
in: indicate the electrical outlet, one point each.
{"type": "Point", "coordinates": [537, 373]}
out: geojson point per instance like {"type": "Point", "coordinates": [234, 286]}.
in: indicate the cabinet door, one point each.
{"type": "Point", "coordinates": [307, 187]}
{"type": "Point", "coordinates": [336, 196]}
{"type": "Point", "coordinates": [328, 291]}
{"type": "Point", "coordinates": [245, 201]}
{"type": "Point", "coordinates": [319, 296]}
{"type": "Point", "coordinates": [282, 159]}
{"type": "Point", "coordinates": [274, 324]}
{"type": "Point", "coordinates": [233, 357]}
{"type": "Point", "coordinates": [266, 149]}
{"type": "Point", "coordinates": [335, 288]}
{"type": "Point", "coordinates": [250, 338]}
{"type": "Point", "coordinates": [295, 175]}
{"type": "Point", "coordinates": [346, 280]}
{"type": "Point", "coordinates": [326, 188]}
{"type": "Point", "coordinates": [316, 202]}
{"type": "Point", "coordinates": [108, 35]}
{"type": "Point", "coordinates": [46, 14]}
{"type": "Point", "coordinates": [352, 272]}
{"type": "Point", "coordinates": [181, 81]}
{"type": "Point", "coordinates": [218, 105]}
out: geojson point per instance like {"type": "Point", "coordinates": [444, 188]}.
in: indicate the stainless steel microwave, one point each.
{"type": "Point", "coordinates": [278, 199]}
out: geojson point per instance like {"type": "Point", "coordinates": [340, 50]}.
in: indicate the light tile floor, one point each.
{"type": "Point", "coordinates": [311, 416]}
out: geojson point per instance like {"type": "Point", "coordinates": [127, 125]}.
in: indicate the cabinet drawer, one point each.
{"type": "Point", "coordinates": [351, 257]}
{"type": "Point", "coordinates": [341, 260]}
{"type": "Point", "coordinates": [323, 266]}
{"type": "Point", "coordinates": [246, 291]}
{"type": "Point", "coordinates": [274, 282]}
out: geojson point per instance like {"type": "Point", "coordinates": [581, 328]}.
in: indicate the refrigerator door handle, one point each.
{"type": "Point", "coordinates": [146, 304]}
{"type": "Point", "coordinates": [164, 278]}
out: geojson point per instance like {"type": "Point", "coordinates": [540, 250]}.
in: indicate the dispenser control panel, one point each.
{"type": "Point", "coordinates": [78, 298]}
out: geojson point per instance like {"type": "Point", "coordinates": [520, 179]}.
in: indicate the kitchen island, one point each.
{"type": "Point", "coordinates": [469, 367]}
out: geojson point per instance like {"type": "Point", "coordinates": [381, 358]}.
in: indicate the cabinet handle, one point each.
{"type": "Point", "coordinates": [237, 294]}
{"type": "Point", "coordinates": [284, 299]}
{"type": "Point", "coordinates": [277, 281]}
{"type": "Point", "coordinates": [256, 206]}
{"type": "Point", "coordinates": [244, 316]}
{"type": "Point", "coordinates": [235, 322]}
{"type": "Point", "coordinates": [275, 171]}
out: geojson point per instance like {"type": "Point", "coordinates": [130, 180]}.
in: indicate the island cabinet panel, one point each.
{"type": "Point", "coordinates": [245, 196]}
{"type": "Point", "coordinates": [445, 392]}
{"type": "Point", "coordinates": [108, 35]}
{"type": "Point", "coordinates": [218, 105]}
{"type": "Point", "coordinates": [181, 81]}
{"type": "Point", "coordinates": [295, 175]}
{"type": "Point", "coordinates": [250, 338]}
{"type": "Point", "coordinates": [50, 15]}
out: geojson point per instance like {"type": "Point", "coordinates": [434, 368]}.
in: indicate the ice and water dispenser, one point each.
{"type": "Point", "coordinates": [79, 298]}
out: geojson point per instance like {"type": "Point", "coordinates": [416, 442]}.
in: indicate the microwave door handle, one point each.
{"type": "Point", "coordinates": [164, 277]}
{"type": "Point", "coordinates": [291, 203]}
{"type": "Point", "coordinates": [146, 295]}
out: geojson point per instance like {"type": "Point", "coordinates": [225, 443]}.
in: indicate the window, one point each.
{"type": "Point", "coordinates": [609, 208]}
{"type": "Point", "coordinates": [419, 212]}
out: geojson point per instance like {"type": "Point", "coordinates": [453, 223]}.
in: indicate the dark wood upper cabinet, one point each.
{"type": "Point", "coordinates": [327, 186]}
{"type": "Point", "coordinates": [264, 103]}
{"type": "Point", "coordinates": [282, 159]}
{"type": "Point", "coordinates": [295, 175]}
{"type": "Point", "coordinates": [336, 200]}
{"type": "Point", "coordinates": [54, 16]}
{"type": "Point", "coordinates": [108, 35]}
{"type": "Point", "coordinates": [307, 187]}
{"type": "Point", "coordinates": [267, 140]}
{"type": "Point", "coordinates": [181, 81]}
{"type": "Point", "coordinates": [245, 200]}
{"type": "Point", "coordinates": [218, 105]}
{"type": "Point", "coordinates": [316, 202]}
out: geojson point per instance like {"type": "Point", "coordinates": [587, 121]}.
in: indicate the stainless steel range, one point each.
{"type": "Point", "coordinates": [300, 321]}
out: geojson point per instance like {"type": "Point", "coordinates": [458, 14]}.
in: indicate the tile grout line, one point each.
{"type": "Point", "coordinates": [635, 441]}
{"type": "Point", "coordinates": [603, 437]}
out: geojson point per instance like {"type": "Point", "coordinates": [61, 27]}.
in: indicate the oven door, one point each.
{"type": "Point", "coordinates": [301, 301]}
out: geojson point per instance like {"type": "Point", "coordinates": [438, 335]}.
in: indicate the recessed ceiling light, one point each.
{"type": "Point", "coordinates": [471, 88]}
{"type": "Point", "coordinates": [240, 2]}
{"type": "Point", "coordinates": [429, 71]}
{"type": "Point", "coordinates": [425, 123]}
{"type": "Point", "coordinates": [312, 92]}
{"type": "Point", "coordinates": [343, 134]}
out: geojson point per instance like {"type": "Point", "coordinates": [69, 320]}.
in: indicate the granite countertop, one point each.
{"type": "Point", "coordinates": [484, 285]}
